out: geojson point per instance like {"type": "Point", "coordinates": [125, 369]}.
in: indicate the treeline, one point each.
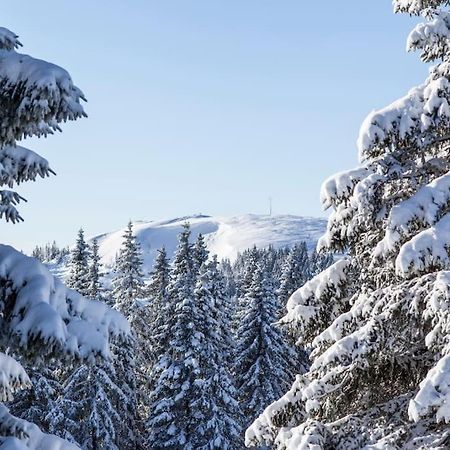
{"type": "Point", "coordinates": [207, 355]}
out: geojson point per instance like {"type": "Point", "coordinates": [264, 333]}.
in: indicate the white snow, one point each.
{"type": "Point", "coordinates": [434, 393]}
{"type": "Point", "coordinates": [340, 185]}
{"type": "Point", "coordinates": [416, 114]}
{"type": "Point", "coordinates": [18, 164]}
{"type": "Point", "coordinates": [12, 377]}
{"type": "Point", "coordinates": [303, 305]}
{"type": "Point", "coordinates": [45, 309]}
{"type": "Point", "coordinates": [423, 207]}
{"type": "Point", "coordinates": [31, 437]}
{"type": "Point", "coordinates": [427, 249]}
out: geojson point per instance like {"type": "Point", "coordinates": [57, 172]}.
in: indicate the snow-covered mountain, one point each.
{"type": "Point", "coordinates": [225, 236]}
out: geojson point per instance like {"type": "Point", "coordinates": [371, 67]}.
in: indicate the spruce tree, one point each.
{"type": "Point", "coordinates": [177, 372]}
{"type": "Point", "coordinates": [159, 306]}
{"type": "Point", "coordinates": [79, 266]}
{"type": "Point", "coordinates": [95, 286]}
{"type": "Point", "coordinates": [128, 284]}
{"type": "Point", "coordinates": [131, 363]}
{"type": "Point", "coordinates": [216, 396]}
{"type": "Point", "coordinates": [377, 320]}
{"type": "Point", "coordinates": [264, 361]}
{"type": "Point", "coordinates": [89, 409]}
{"type": "Point", "coordinates": [200, 253]}
{"type": "Point", "coordinates": [295, 272]}
{"type": "Point", "coordinates": [42, 321]}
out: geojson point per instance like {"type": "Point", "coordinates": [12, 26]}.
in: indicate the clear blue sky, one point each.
{"type": "Point", "coordinates": [204, 105]}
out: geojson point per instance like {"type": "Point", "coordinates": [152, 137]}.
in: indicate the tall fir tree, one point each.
{"type": "Point", "coordinates": [42, 321]}
{"type": "Point", "coordinates": [295, 272]}
{"type": "Point", "coordinates": [200, 253]}
{"type": "Point", "coordinates": [95, 285]}
{"type": "Point", "coordinates": [377, 320]}
{"type": "Point", "coordinates": [215, 401]}
{"type": "Point", "coordinates": [159, 306]}
{"type": "Point", "coordinates": [177, 372]}
{"type": "Point", "coordinates": [89, 410]}
{"type": "Point", "coordinates": [128, 284]}
{"type": "Point", "coordinates": [79, 265]}
{"type": "Point", "coordinates": [131, 363]}
{"type": "Point", "coordinates": [264, 361]}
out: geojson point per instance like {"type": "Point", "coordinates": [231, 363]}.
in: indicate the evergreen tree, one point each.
{"type": "Point", "coordinates": [216, 397]}
{"type": "Point", "coordinates": [95, 285]}
{"type": "Point", "coordinates": [34, 404]}
{"type": "Point", "coordinates": [160, 307]}
{"type": "Point", "coordinates": [89, 409]}
{"type": "Point", "coordinates": [229, 278]}
{"type": "Point", "coordinates": [41, 320]}
{"type": "Point", "coordinates": [131, 364]}
{"type": "Point", "coordinates": [200, 251]}
{"type": "Point", "coordinates": [79, 266]}
{"type": "Point", "coordinates": [128, 284]}
{"type": "Point", "coordinates": [264, 361]}
{"type": "Point", "coordinates": [377, 321]}
{"type": "Point", "coordinates": [177, 373]}
{"type": "Point", "coordinates": [296, 271]}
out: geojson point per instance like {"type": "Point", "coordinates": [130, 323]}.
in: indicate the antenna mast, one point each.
{"type": "Point", "coordinates": [270, 206]}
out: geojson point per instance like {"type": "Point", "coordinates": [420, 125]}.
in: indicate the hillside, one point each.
{"type": "Point", "coordinates": [225, 236]}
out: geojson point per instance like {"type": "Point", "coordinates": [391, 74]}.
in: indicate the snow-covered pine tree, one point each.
{"type": "Point", "coordinates": [215, 400]}
{"type": "Point", "coordinates": [128, 283]}
{"type": "Point", "coordinates": [177, 373]}
{"type": "Point", "coordinates": [41, 319]}
{"type": "Point", "coordinates": [89, 409]}
{"type": "Point", "coordinates": [94, 277]}
{"type": "Point", "coordinates": [229, 278]}
{"type": "Point", "coordinates": [378, 321]}
{"type": "Point", "coordinates": [264, 361]}
{"type": "Point", "coordinates": [33, 404]}
{"type": "Point", "coordinates": [200, 253]}
{"type": "Point", "coordinates": [131, 362]}
{"type": "Point", "coordinates": [295, 272]}
{"type": "Point", "coordinates": [79, 266]}
{"type": "Point", "coordinates": [159, 307]}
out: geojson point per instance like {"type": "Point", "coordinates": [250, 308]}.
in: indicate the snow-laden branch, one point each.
{"type": "Point", "coordinates": [38, 309]}
{"type": "Point", "coordinates": [410, 122]}
{"type": "Point", "coordinates": [19, 164]}
{"type": "Point", "coordinates": [416, 7]}
{"type": "Point", "coordinates": [36, 95]}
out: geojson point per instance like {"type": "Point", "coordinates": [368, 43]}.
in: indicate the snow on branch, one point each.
{"type": "Point", "coordinates": [18, 434]}
{"type": "Point", "coordinates": [434, 393]}
{"type": "Point", "coordinates": [340, 186]}
{"type": "Point", "coordinates": [38, 309]}
{"type": "Point", "coordinates": [428, 249]}
{"type": "Point", "coordinates": [12, 377]}
{"type": "Point", "coordinates": [36, 95]}
{"type": "Point", "coordinates": [19, 164]}
{"type": "Point", "coordinates": [8, 202]}
{"type": "Point", "coordinates": [8, 39]}
{"type": "Point", "coordinates": [416, 7]}
{"type": "Point", "coordinates": [416, 120]}
{"type": "Point", "coordinates": [308, 303]}
{"type": "Point", "coordinates": [422, 208]}
{"type": "Point", "coordinates": [432, 37]}
{"type": "Point", "coordinates": [264, 429]}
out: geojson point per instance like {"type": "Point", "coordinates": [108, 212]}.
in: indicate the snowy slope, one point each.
{"type": "Point", "coordinates": [225, 236]}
